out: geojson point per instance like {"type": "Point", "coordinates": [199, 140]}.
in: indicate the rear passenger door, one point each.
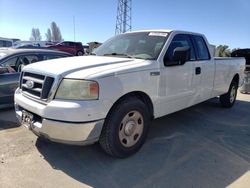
{"type": "Point", "coordinates": [204, 69]}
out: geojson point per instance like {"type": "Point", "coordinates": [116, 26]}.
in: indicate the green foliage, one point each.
{"type": "Point", "coordinates": [223, 51]}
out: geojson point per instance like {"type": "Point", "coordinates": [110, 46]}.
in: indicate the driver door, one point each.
{"type": "Point", "coordinates": [177, 81]}
{"type": "Point", "coordinates": [8, 82]}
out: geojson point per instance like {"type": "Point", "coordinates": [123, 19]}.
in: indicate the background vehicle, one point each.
{"type": "Point", "coordinates": [27, 45]}
{"type": "Point", "coordinates": [112, 97]}
{"type": "Point", "coordinates": [245, 88]}
{"type": "Point", "coordinates": [74, 48]}
{"type": "Point", "coordinates": [4, 42]}
{"type": "Point", "coordinates": [16, 59]}
{"type": "Point", "coordinates": [32, 44]}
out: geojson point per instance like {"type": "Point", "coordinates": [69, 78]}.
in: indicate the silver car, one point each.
{"type": "Point", "coordinates": [11, 63]}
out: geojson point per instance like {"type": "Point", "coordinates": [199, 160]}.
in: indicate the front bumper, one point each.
{"type": "Point", "coordinates": [64, 132]}
{"type": "Point", "coordinates": [69, 122]}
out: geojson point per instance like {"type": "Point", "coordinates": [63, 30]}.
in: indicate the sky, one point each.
{"type": "Point", "coordinates": [225, 22]}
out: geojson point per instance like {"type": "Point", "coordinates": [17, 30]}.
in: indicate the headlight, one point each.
{"type": "Point", "coordinates": [78, 90]}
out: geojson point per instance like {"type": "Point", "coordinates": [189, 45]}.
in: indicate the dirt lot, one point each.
{"type": "Point", "coordinates": [203, 146]}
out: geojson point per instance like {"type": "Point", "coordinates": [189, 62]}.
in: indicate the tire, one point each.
{"type": "Point", "coordinates": [227, 100]}
{"type": "Point", "coordinates": [125, 129]}
{"type": "Point", "coordinates": [79, 53]}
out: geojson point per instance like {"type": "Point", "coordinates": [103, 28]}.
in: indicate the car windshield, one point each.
{"type": "Point", "coordinates": [140, 45]}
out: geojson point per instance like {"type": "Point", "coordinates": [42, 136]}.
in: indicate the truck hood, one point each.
{"type": "Point", "coordinates": [85, 66]}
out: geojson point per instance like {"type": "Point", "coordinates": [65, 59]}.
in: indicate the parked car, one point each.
{"type": "Point", "coordinates": [246, 54]}
{"type": "Point", "coordinates": [28, 45]}
{"type": "Point", "coordinates": [113, 95]}
{"type": "Point", "coordinates": [6, 42]}
{"type": "Point", "coordinates": [11, 63]}
{"type": "Point", "coordinates": [74, 48]}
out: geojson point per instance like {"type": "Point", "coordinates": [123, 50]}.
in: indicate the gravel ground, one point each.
{"type": "Point", "coordinates": [202, 146]}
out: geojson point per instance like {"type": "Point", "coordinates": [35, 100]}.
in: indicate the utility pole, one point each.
{"type": "Point", "coordinates": [123, 18]}
{"type": "Point", "coordinates": [74, 28]}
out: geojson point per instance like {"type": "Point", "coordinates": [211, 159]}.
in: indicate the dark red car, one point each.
{"type": "Point", "coordinates": [74, 48]}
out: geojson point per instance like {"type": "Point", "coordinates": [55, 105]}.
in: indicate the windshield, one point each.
{"type": "Point", "coordinates": [141, 45]}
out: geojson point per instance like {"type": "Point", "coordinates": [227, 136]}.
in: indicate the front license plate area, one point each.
{"type": "Point", "coordinates": [27, 119]}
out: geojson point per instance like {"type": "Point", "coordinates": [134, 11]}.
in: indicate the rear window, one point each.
{"type": "Point", "coordinates": [201, 48]}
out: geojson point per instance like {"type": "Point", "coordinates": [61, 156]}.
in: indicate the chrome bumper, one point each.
{"type": "Point", "coordinates": [65, 132]}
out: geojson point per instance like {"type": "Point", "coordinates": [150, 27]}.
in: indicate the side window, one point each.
{"type": "Point", "coordinates": [201, 48]}
{"type": "Point", "coordinates": [65, 43]}
{"type": "Point", "coordinates": [10, 62]}
{"type": "Point", "coordinates": [71, 44]}
{"type": "Point", "coordinates": [25, 60]}
{"type": "Point", "coordinates": [180, 40]}
{"type": "Point", "coordinates": [32, 58]}
{"type": "Point", "coordinates": [51, 56]}
{"type": "Point", "coordinates": [9, 66]}
{"type": "Point", "coordinates": [4, 43]}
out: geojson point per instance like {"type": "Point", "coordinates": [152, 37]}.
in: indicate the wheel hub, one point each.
{"type": "Point", "coordinates": [129, 128]}
{"type": "Point", "coordinates": [232, 94]}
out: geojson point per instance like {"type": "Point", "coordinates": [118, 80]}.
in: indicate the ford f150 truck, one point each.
{"type": "Point", "coordinates": [112, 95]}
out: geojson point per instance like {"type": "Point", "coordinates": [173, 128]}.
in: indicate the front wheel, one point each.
{"type": "Point", "coordinates": [227, 100]}
{"type": "Point", "coordinates": [125, 128]}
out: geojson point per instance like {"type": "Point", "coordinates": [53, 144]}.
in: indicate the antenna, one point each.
{"type": "Point", "coordinates": [123, 18]}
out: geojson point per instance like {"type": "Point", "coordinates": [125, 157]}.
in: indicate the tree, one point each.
{"type": "Point", "coordinates": [48, 35]}
{"type": "Point", "coordinates": [35, 35]}
{"type": "Point", "coordinates": [223, 51]}
{"type": "Point", "coordinates": [55, 33]}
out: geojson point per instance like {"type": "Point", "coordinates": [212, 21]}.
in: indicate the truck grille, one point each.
{"type": "Point", "coordinates": [36, 85]}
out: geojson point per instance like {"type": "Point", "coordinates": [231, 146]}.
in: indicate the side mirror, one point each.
{"type": "Point", "coordinates": [180, 56]}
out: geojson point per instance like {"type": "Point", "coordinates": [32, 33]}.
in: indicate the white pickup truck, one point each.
{"type": "Point", "coordinates": [112, 95]}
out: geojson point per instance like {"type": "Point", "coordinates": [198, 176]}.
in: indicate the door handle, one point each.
{"type": "Point", "coordinates": [197, 70]}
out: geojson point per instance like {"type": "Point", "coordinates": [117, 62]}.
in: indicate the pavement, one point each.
{"type": "Point", "coordinates": [202, 146]}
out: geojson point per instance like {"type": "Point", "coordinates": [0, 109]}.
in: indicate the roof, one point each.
{"type": "Point", "coordinates": [153, 30]}
{"type": "Point", "coordinates": [166, 31]}
{"type": "Point", "coordinates": [23, 50]}
{"type": "Point", "coordinates": [6, 52]}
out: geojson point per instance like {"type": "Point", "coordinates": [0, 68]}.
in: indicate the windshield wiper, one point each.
{"type": "Point", "coordinates": [117, 54]}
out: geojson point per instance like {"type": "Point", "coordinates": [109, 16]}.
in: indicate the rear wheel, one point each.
{"type": "Point", "coordinates": [227, 100]}
{"type": "Point", "coordinates": [79, 53]}
{"type": "Point", "coordinates": [125, 128]}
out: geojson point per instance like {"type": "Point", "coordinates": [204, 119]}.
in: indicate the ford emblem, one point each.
{"type": "Point", "coordinates": [30, 84]}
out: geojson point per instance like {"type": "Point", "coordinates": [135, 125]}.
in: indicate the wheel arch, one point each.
{"type": "Point", "coordinates": [236, 78]}
{"type": "Point", "coordinates": [139, 95]}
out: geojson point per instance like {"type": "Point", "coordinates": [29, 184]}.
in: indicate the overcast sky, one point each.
{"type": "Point", "coordinates": [223, 22]}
